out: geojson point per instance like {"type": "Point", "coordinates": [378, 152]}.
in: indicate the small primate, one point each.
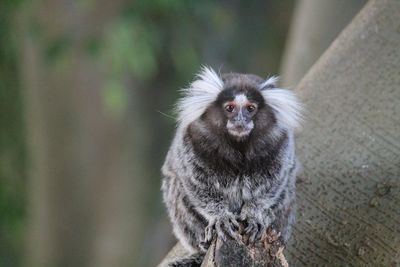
{"type": "Point", "coordinates": [232, 161]}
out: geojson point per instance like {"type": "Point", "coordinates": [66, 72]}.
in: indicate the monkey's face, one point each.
{"type": "Point", "coordinates": [239, 109]}
{"type": "Point", "coordinates": [240, 112]}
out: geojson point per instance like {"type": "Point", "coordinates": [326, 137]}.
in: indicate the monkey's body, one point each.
{"type": "Point", "coordinates": [213, 179]}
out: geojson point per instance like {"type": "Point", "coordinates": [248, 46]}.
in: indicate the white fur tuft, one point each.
{"type": "Point", "coordinates": [270, 83]}
{"type": "Point", "coordinates": [199, 95]}
{"type": "Point", "coordinates": [286, 106]}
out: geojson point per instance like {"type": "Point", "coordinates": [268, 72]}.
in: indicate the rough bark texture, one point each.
{"type": "Point", "coordinates": [348, 212]}
{"type": "Point", "coordinates": [231, 253]}
{"type": "Point", "coordinates": [315, 25]}
{"type": "Point", "coordinates": [268, 253]}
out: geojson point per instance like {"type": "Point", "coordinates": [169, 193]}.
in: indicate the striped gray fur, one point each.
{"type": "Point", "coordinates": [214, 179]}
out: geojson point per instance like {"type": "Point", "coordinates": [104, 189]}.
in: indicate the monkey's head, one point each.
{"type": "Point", "coordinates": [238, 105]}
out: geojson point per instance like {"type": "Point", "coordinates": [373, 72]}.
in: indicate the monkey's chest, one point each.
{"type": "Point", "coordinates": [235, 194]}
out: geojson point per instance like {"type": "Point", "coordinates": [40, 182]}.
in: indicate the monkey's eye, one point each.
{"type": "Point", "coordinates": [251, 108]}
{"type": "Point", "coordinates": [230, 108]}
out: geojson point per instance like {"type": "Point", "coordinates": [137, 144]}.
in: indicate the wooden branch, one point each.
{"type": "Point", "coordinates": [267, 253]}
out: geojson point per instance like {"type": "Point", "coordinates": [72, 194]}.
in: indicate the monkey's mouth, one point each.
{"type": "Point", "coordinates": [240, 130]}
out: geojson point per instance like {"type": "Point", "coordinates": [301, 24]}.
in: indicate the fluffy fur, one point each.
{"type": "Point", "coordinates": [286, 107]}
{"type": "Point", "coordinates": [199, 95]}
{"type": "Point", "coordinates": [213, 181]}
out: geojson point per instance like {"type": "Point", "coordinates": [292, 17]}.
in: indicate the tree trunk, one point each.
{"type": "Point", "coordinates": [348, 211]}
{"type": "Point", "coordinates": [316, 23]}
{"type": "Point", "coordinates": [86, 174]}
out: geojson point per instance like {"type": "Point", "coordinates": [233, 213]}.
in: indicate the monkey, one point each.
{"type": "Point", "coordinates": [232, 161]}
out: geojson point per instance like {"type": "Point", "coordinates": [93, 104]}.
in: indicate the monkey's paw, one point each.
{"type": "Point", "coordinates": [256, 224]}
{"type": "Point", "coordinates": [225, 225]}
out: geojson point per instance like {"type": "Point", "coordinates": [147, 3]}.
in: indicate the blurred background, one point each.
{"type": "Point", "coordinates": [87, 90]}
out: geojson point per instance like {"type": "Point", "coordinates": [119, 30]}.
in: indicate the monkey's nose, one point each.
{"type": "Point", "coordinates": [240, 123]}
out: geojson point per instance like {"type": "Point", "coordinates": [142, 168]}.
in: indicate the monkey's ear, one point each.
{"type": "Point", "coordinates": [199, 95]}
{"type": "Point", "coordinates": [269, 83]}
{"type": "Point", "coordinates": [285, 104]}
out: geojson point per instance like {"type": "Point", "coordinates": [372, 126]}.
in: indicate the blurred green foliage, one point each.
{"type": "Point", "coordinates": [12, 146]}
{"type": "Point", "coordinates": [149, 50]}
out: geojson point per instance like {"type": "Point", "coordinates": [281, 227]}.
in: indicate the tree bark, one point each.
{"type": "Point", "coordinates": [315, 24]}
{"type": "Point", "coordinates": [267, 253]}
{"type": "Point", "coordinates": [348, 201]}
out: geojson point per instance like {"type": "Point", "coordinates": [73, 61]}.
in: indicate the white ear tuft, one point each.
{"type": "Point", "coordinates": [286, 107]}
{"type": "Point", "coordinates": [270, 83]}
{"type": "Point", "coordinates": [199, 95]}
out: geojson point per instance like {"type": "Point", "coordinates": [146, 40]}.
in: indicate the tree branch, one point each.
{"type": "Point", "coordinates": [266, 253]}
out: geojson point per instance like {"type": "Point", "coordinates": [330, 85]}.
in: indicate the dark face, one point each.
{"type": "Point", "coordinates": [239, 108]}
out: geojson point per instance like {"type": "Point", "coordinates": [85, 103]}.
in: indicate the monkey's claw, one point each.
{"type": "Point", "coordinates": [255, 226]}
{"type": "Point", "coordinates": [227, 225]}
{"type": "Point", "coordinates": [209, 232]}
{"type": "Point", "coordinates": [254, 230]}
{"type": "Point", "coordinates": [224, 226]}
